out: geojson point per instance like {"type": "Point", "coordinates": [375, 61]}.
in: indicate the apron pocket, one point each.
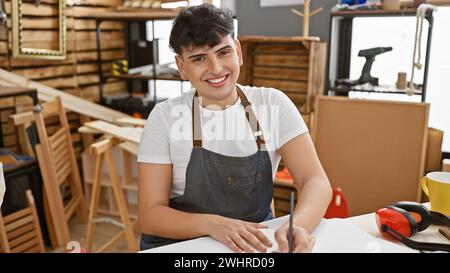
{"type": "Point", "coordinates": [244, 196]}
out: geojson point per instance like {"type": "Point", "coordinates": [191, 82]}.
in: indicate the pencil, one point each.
{"type": "Point", "coordinates": [311, 244]}
{"type": "Point", "coordinates": [291, 211]}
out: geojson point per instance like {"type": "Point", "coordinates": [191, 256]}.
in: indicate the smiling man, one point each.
{"type": "Point", "coordinates": [207, 159]}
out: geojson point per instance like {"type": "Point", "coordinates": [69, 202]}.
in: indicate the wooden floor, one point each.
{"type": "Point", "coordinates": [103, 233]}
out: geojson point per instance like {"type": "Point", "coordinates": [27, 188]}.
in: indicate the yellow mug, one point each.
{"type": "Point", "coordinates": [436, 185]}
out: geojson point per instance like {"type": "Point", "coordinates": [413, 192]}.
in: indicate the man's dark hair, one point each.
{"type": "Point", "coordinates": [199, 26]}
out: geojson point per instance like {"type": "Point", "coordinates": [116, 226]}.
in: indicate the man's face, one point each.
{"type": "Point", "coordinates": [213, 71]}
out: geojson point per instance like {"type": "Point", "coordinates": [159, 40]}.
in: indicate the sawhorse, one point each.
{"type": "Point", "coordinates": [103, 150]}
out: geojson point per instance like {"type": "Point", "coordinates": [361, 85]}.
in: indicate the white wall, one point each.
{"type": "Point", "coordinates": [280, 21]}
{"type": "Point", "coordinates": [399, 33]}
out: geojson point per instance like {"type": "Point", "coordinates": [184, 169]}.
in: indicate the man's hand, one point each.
{"type": "Point", "coordinates": [239, 236]}
{"type": "Point", "coordinates": [302, 241]}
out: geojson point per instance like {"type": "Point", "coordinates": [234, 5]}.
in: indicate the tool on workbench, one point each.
{"type": "Point", "coordinates": [369, 54]}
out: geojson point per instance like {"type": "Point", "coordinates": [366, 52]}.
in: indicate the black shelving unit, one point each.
{"type": "Point", "coordinates": [129, 17]}
{"type": "Point", "coordinates": [339, 47]}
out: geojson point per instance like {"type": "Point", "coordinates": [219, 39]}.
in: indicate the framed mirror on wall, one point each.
{"type": "Point", "coordinates": [24, 45]}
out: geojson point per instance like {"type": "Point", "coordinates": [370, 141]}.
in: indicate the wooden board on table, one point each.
{"type": "Point", "coordinates": [131, 121]}
{"type": "Point", "coordinates": [373, 150]}
{"type": "Point", "coordinates": [123, 133]}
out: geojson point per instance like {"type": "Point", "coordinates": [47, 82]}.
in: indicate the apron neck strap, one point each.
{"type": "Point", "coordinates": [196, 130]}
{"type": "Point", "coordinates": [249, 114]}
{"type": "Point", "coordinates": [251, 118]}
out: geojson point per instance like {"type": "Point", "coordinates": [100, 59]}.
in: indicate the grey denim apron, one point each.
{"type": "Point", "coordinates": [234, 187]}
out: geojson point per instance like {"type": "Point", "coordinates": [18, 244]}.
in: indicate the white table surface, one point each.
{"type": "Point", "coordinates": [358, 226]}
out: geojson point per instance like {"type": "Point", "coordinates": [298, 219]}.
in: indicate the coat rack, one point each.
{"type": "Point", "coordinates": [306, 14]}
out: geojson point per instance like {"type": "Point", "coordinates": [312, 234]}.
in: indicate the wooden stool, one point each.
{"type": "Point", "coordinates": [103, 150]}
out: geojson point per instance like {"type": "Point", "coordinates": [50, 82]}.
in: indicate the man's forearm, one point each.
{"type": "Point", "coordinates": [313, 201]}
{"type": "Point", "coordinates": [166, 222]}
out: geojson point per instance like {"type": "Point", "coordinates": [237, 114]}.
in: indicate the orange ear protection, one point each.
{"type": "Point", "coordinates": [404, 219]}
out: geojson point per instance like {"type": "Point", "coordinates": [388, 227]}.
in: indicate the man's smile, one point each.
{"type": "Point", "coordinates": [217, 81]}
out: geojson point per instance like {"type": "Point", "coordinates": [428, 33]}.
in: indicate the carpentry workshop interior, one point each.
{"type": "Point", "coordinates": [89, 164]}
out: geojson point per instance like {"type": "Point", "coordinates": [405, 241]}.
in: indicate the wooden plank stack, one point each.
{"type": "Point", "coordinates": [294, 65]}
{"type": "Point", "coordinates": [9, 134]}
{"type": "Point", "coordinates": [77, 74]}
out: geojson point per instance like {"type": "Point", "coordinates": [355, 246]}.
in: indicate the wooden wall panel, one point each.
{"type": "Point", "coordinates": [45, 72]}
{"type": "Point", "coordinates": [3, 48]}
{"type": "Point", "coordinates": [77, 74]}
{"type": "Point", "coordinates": [29, 9]}
{"type": "Point", "coordinates": [90, 25]}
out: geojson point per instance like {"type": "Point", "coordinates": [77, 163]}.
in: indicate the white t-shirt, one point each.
{"type": "Point", "coordinates": [167, 135]}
